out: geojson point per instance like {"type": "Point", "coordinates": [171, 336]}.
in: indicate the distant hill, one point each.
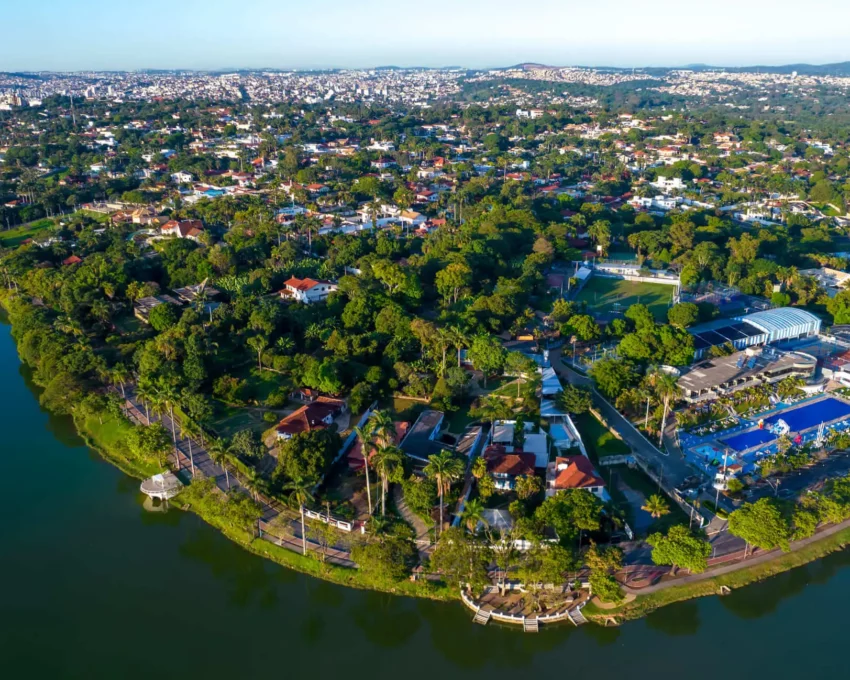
{"type": "Point", "coordinates": [838, 69]}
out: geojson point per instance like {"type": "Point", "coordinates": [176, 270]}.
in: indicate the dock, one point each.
{"type": "Point", "coordinates": [482, 616]}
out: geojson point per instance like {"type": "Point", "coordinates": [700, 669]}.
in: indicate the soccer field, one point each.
{"type": "Point", "coordinates": [602, 294]}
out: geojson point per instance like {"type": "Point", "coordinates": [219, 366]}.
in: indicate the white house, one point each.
{"type": "Point", "coordinates": [307, 290]}
{"type": "Point", "coordinates": [182, 177]}
{"type": "Point", "coordinates": [669, 183]}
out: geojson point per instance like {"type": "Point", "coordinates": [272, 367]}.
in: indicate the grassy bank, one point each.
{"type": "Point", "coordinates": [645, 604]}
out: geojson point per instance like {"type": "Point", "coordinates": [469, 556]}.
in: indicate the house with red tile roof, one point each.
{"type": "Point", "coordinates": [74, 259]}
{"type": "Point", "coordinates": [505, 467]}
{"type": "Point", "coordinates": [190, 229]}
{"type": "Point", "coordinates": [574, 472]}
{"type": "Point", "coordinates": [307, 290]}
{"type": "Point", "coordinates": [317, 415]}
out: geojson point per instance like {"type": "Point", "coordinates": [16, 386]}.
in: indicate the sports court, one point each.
{"type": "Point", "coordinates": [602, 294]}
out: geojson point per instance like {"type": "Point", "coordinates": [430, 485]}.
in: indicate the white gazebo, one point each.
{"type": "Point", "coordinates": [162, 486]}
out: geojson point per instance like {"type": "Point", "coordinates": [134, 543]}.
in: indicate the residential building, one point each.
{"type": "Point", "coordinates": [317, 415]}
{"type": "Point", "coordinates": [504, 466]}
{"type": "Point", "coordinates": [307, 291]}
{"type": "Point", "coordinates": [574, 472]}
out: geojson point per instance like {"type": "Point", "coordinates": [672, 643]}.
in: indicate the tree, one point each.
{"type": "Point", "coordinates": [452, 281]}
{"type": "Point", "coordinates": [473, 514]}
{"type": "Point", "coordinates": [444, 468]}
{"type": "Point", "coordinates": [492, 408]}
{"type": "Point", "coordinates": [299, 492]}
{"type": "Point", "coordinates": [584, 327]}
{"type": "Point", "coordinates": [605, 587]}
{"type": "Point", "coordinates": [665, 387]}
{"type": "Point", "coordinates": [308, 454]}
{"type": "Point", "coordinates": [388, 463]}
{"type": "Point", "coordinates": [600, 232]}
{"type": "Point", "coordinates": [487, 355]}
{"type": "Point", "coordinates": [120, 375]}
{"type": "Point", "coordinates": [680, 549]}
{"type": "Point", "coordinates": [547, 563]}
{"type": "Point", "coordinates": [461, 559]}
{"type": "Point", "coordinates": [521, 366]}
{"type": "Point", "coordinates": [656, 506]}
{"type": "Point", "coordinates": [683, 314]}
{"type": "Point", "coordinates": [258, 343]}
{"type": "Point", "coordinates": [761, 524]}
{"type": "Point", "coordinates": [388, 558]}
{"type": "Point", "coordinates": [612, 376]}
{"type": "Point", "coordinates": [570, 513]}
{"type": "Point", "coordinates": [150, 442]}
{"type": "Point", "coordinates": [245, 443]}
{"type": "Point", "coordinates": [218, 450]}
{"type": "Point", "coordinates": [163, 316]}
{"type": "Point", "coordinates": [364, 434]}
{"type": "Point", "coordinates": [575, 399]}
{"type": "Point", "coordinates": [528, 486]}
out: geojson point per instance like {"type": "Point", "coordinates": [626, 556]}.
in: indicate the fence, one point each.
{"type": "Point", "coordinates": [297, 544]}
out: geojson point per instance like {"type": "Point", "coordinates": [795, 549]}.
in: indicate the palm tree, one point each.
{"type": "Point", "coordinates": [169, 395]}
{"type": "Point", "coordinates": [144, 391]}
{"type": "Point", "coordinates": [187, 431]}
{"type": "Point", "coordinates": [300, 492]}
{"type": "Point", "coordinates": [459, 340]}
{"type": "Point", "coordinates": [493, 408]}
{"type": "Point", "coordinates": [258, 343]}
{"type": "Point", "coordinates": [656, 506]}
{"type": "Point", "coordinates": [365, 437]}
{"type": "Point", "coordinates": [665, 387]}
{"type": "Point", "coordinates": [473, 514]}
{"type": "Point", "coordinates": [382, 427]}
{"type": "Point", "coordinates": [101, 311]}
{"type": "Point", "coordinates": [219, 450]}
{"type": "Point", "coordinates": [255, 482]}
{"type": "Point", "coordinates": [444, 468]}
{"type": "Point", "coordinates": [388, 460]}
{"type": "Point", "coordinates": [120, 375]}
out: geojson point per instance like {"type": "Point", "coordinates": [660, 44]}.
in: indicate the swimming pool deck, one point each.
{"type": "Point", "coordinates": [800, 416]}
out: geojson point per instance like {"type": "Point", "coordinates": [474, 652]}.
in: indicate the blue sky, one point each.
{"type": "Point", "coordinates": [211, 34]}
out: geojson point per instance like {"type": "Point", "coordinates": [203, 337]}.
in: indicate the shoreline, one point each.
{"type": "Point", "coordinates": [92, 434]}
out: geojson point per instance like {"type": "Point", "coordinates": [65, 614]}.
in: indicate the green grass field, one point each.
{"type": "Point", "coordinates": [601, 294]}
{"type": "Point", "coordinates": [597, 439]}
{"type": "Point", "coordinates": [12, 238]}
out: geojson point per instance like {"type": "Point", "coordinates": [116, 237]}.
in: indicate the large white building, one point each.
{"type": "Point", "coordinates": [784, 323]}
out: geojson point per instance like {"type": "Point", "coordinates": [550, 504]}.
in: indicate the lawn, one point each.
{"type": "Point", "coordinates": [598, 439]}
{"type": "Point", "coordinates": [457, 421]}
{"type": "Point", "coordinates": [602, 294]}
{"type": "Point", "coordinates": [230, 420]}
{"type": "Point", "coordinates": [406, 409]}
{"type": "Point", "coordinates": [14, 237]}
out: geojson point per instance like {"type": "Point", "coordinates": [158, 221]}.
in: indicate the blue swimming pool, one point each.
{"type": "Point", "coordinates": [798, 419]}
{"type": "Point", "coordinates": [745, 440]}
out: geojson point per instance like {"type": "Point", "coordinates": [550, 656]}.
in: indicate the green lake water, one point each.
{"type": "Point", "coordinates": [93, 586]}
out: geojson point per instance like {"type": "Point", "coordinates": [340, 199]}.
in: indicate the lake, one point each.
{"type": "Point", "coordinates": [95, 586]}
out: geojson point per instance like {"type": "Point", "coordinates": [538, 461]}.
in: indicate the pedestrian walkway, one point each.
{"type": "Point", "coordinates": [421, 529]}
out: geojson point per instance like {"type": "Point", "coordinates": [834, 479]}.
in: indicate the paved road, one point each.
{"type": "Point", "coordinates": [792, 484]}
{"type": "Point", "coordinates": [758, 558]}
{"type": "Point", "coordinates": [672, 468]}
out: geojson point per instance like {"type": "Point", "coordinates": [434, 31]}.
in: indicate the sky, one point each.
{"type": "Point", "coordinates": [70, 35]}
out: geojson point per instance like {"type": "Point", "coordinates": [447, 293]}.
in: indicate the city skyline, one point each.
{"type": "Point", "coordinates": [95, 35]}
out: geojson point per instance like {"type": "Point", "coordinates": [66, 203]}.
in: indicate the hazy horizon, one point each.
{"type": "Point", "coordinates": [213, 35]}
